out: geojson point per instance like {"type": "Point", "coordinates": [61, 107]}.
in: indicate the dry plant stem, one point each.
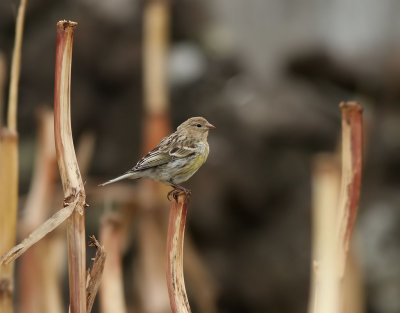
{"type": "Point", "coordinates": [151, 232]}
{"type": "Point", "coordinates": [53, 247]}
{"type": "Point", "coordinates": [95, 274]}
{"type": "Point", "coordinates": [15, 68]}
{"type": "Point", "coordinates": [324, 294]}
{"type": "Point", "coordinates": [69, 170]}
{"type": "Point", "coordinates": [33, 273]}
{"type": "Point", "coordinates": [176, 229]}
{"type": "Point", "coordinates": [151, 242]}
{"type": "Point", "coordinates": [44, 177]}
{"type": "Point", "coordinates": [156, 27]}
{"type": "Point", "coordinates": [8, 211]}
{"type": "Point", "coordinates": [351, 174]}
{"type": "Point", "coordinates": [202, 283]}
{"type": "Point", "coordinates": [353, 291]}
{"type": "Point", "coordinates": [48, 226]}
{"type": "Point", "coordinates": [332, 240]}
{"type": "Point", "coordinates": [112, 288]}
{"type": "Point", "coordinates": [9, 171]}
{"type": "Point", "coordinates": [156, 36]}
{"type": "Point", "coordinates": [3, 74]}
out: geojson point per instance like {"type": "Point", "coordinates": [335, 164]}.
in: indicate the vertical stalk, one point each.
{"type": "Point", "coordinates": [324, 296]}
{"type": "Point", "coordinates": [15, 68]}
{"type": "Point", "coordinates": [69, 170]}
{"type": "Point", "coordinates": [351, 175]}
{"type": "Point", "coordinates": [176, 231]}
{"type": "Point", "coordinates": [156, 37]}
{"type": "Point", "coordinates": [8, 212]}
{"type": "Point", "coordinates": [156, 34]}
{"type": "Point", "coordinates": [334, 223]}
{"type": "Point", "coordinates": [156, 125]}
{"type": "Point", "coordinates": [33, 271]}
{"type": "Point", "coordinates": [9, 171]}
{"type": "Point", "coordinates": [3, 74]}
{"type": "Point", "coordinates": [112, 289]}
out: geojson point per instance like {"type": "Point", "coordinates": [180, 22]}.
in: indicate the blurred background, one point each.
{"type": "Point", "coordinates": [269, 75]}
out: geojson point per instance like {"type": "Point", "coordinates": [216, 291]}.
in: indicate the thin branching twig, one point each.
{"type": "Point", "coordinates": [96, 272]}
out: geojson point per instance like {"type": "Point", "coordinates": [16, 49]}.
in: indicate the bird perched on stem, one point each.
{"type": "Point", "coordinates": [176, 158]}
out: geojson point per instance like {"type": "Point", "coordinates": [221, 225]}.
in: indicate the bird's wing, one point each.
{"type": "Point", "coordinates": [167, 150]}
{"type": "Point", "coordinates": [181, 152]}
{"type": "Point", "coordinates": [154, 158]}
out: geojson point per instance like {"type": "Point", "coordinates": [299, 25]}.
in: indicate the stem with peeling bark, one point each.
{"type": "Point", "coordinates": [351, 175]}
{"type": "Point", "coordinates": [176, 230]}
{"type": "Point", "coordinates": [332, 241]}
{"type": "Point", "coordinates": [69, 170]}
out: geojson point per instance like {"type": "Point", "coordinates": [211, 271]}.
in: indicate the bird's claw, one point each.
{"type": "Point", "coordinates": [177, 191]}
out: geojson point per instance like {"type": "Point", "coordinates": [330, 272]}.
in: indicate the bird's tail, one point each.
{"type": "Point", "coordinates": [131, 175]}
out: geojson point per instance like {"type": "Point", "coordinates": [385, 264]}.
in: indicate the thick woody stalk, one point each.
{"type": "Point", "coordinates": [352, 134]}
{"type": "Point", "coordinates": [69, 170]}
{"type": "Point", "coordinates": [175, 280]}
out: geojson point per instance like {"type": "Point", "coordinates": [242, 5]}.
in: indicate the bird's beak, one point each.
{"type": "Point", "coordinates": [210, 126]}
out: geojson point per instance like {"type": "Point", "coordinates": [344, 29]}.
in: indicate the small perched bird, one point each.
{"type": "Point", "coordinates": [176, 158]}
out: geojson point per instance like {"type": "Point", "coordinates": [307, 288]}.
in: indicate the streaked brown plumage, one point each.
{"type": "Point", "coordinates": [176, 158]}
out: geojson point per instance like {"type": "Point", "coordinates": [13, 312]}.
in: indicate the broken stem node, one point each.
{"type": "Point", "coordinates": [69, 169]}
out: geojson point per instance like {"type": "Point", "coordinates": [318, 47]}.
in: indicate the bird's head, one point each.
{"type": "Point", "coordinates": [196, 127]}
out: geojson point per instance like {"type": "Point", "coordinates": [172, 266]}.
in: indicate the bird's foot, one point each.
{"type": "Point", "coordinates": [177, 191]}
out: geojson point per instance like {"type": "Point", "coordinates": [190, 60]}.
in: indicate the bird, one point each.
{"type": "Point", "coordinates": [176, 158]}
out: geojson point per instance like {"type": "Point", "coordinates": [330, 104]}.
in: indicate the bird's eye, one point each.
{"type": "Point", "coordinates": [198, 125]}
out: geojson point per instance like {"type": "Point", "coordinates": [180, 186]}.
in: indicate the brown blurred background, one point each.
{"type": "Point", "coordinates": [269, 75]}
